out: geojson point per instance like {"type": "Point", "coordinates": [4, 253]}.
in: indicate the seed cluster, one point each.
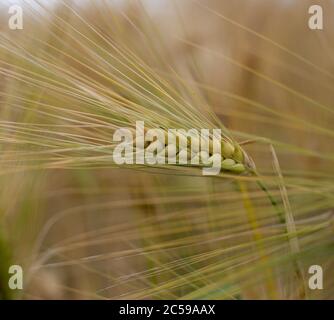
{"type": "Point", "coordinates": [232, 158]}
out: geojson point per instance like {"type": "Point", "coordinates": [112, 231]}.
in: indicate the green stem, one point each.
{"type": "Point", "coordinates": [272, 200]}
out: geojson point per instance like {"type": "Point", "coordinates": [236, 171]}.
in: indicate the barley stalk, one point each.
{"type": "Point", "coordinates": [63, 95]}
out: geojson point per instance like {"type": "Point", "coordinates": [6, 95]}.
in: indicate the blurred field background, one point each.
{"type": "Point", "coordinates": [83, 229]}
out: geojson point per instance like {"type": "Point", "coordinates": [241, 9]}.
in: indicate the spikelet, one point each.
{"type": "Point", "coordinates": [233, 158]}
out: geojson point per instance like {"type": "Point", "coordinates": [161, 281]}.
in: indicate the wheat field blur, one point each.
{"type": "Point", "coordinates": [82, 228]}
